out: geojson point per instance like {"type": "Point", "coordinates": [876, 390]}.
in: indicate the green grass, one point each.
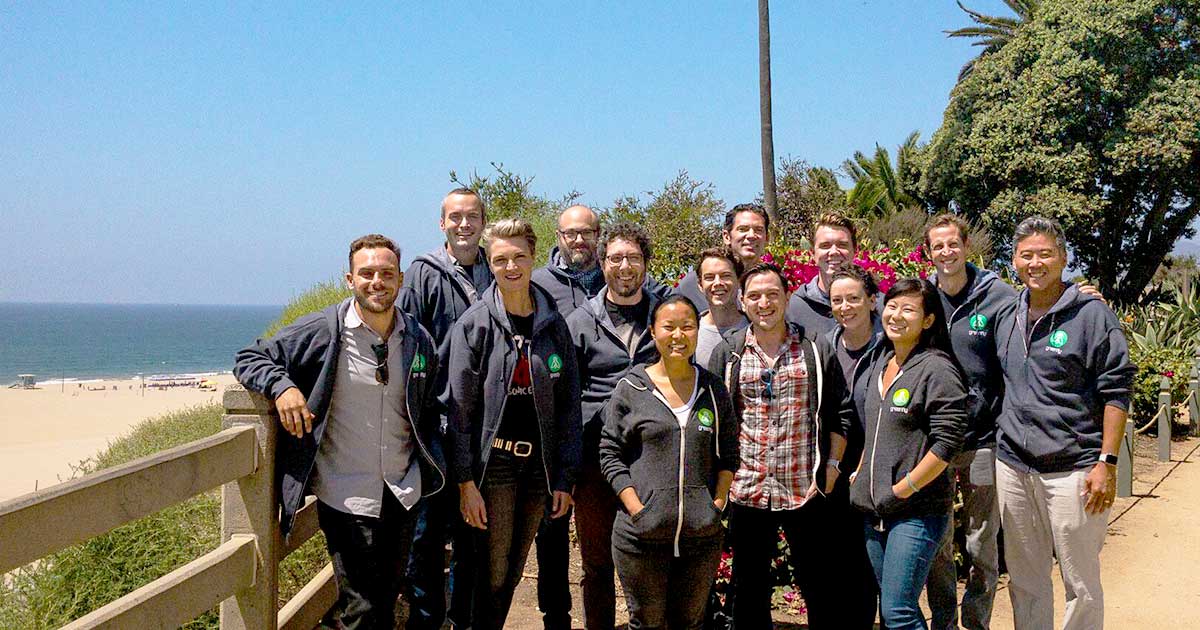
{"type": "Point", "coordinates": [314, 299]}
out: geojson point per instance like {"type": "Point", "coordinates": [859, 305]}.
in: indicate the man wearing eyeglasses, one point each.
{"type": "Point", "coordinates": [611, 335]}
{"type": "Point", "coordinates": [573, 275]}
{"type": "Point", "coordinates": [795, 410]}
{"type": "Point", "coordinates": [354, 386]}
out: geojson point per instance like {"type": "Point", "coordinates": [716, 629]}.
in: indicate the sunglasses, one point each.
{"type": "Point", "coordinates": [381, 357]}
{"type": "Point", "coordinates": [768, 378]}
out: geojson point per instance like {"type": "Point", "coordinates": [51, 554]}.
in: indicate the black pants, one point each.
{"type": "Point", "coordinates": [553, 588]}
{"type": "Point", "coordinates": [369, 556]}
{"type": "Point", "coordinates": [828, 556]}
{"type": "Point", "coordinates": [514, 493]}
{"type": "Point", "coordinates": [664, 591]}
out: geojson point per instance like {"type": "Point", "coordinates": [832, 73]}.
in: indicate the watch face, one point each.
{"type": "Point", "coordinates": [1109, 458]}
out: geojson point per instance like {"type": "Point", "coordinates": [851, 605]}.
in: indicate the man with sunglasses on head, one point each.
{"type": "Point", "coordinates": [789, 391]}
{"type": "Point", "coordinates": [354, 386]}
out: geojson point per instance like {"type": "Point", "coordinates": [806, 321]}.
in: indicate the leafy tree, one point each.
{"type": "Point", "coordinates": [879, 189]}
{"type": "Point", "coordinates": [683, 218]}
{"type": "Point", "coordinates": [993, 32]}
{"type": "Point", "coordinates": [805, 192]}
{"type": "Point", "coordinates": [507, 194]}
{"type": "Point", "coordinates": [1089, 114]}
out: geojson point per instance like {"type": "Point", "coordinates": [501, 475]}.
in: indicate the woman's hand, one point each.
{"type": "Point", "coordinates": [831, 476]}
{"type": "Point", "coordinates": [561, 505]}
{"type": "Point", "coordinates": [720, 503]}
{"type": "Point", "coordinates": [470, 503]}
{"type": "Point", "coordinates": [903, 489]}
{"type": "Point", "coordinates": [630, 500]}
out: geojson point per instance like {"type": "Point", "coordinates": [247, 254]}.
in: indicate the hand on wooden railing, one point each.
{"type": "Point", "coordinates": [293, 412]}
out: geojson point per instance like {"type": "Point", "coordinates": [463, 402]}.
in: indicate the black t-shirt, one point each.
{"type": "Point", "coordinates": [630, 321]}
{"type": "Point", "coordinates": [847, 359]}
{"type": "Point", "coordinates": [951, 302]}
{"type": "Point", "coordinates": [520, 421]}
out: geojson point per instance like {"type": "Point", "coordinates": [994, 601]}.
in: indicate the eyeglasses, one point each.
{"type": "Point", "coordinates": [768, 379]}
{"type": "Point", "coordinates": [571, 235]}
{"type": "Point", "coordinates": [381, 357]}
{"type": "Point", "coordinates": [634, 260]}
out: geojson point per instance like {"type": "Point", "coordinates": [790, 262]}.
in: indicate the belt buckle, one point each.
{"type": "Point", "coordinates": [522, 449]}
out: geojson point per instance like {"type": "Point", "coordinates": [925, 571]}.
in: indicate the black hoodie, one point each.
{"type": "Point", "coordinates": [438, 291]}
{"type": "Point", "coordinates": [482, 356]}
{"type": "Point", "coordinates": [924, 410]}
{"type": "Point", "coordinates": [673, 469]}
{"type": "Point", "coordinates": [568, 292]}
{"type": "Point", "coordinates": [1057, 381]}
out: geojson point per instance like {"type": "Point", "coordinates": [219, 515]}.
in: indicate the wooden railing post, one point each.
{"type": "Point", "coordinates": [1166, 415]}
{"type": "Point", "coordinates": [248, 508]}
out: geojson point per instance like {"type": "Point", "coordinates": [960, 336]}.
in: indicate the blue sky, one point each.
{"type": "Point", "coordinates": [194, 153]}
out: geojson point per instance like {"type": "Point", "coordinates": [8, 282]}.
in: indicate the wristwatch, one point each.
{"type": "Point", "coordinates": [836, 463]}
{"type": "Point", "coordinates": [1109, 458]}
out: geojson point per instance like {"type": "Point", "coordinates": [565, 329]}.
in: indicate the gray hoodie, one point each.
{"type": "Point", "coordinates": [973, 337]}
{"type": "Point", "coordinates": [1057, 381]}
{"type": "Point", "coordinates": [568, 291]}
{"type": "Point", "coordinates": [482, 356]}
{"type": "Point", "coordinates": [438, 291]}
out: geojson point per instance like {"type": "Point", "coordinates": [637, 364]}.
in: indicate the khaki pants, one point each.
{"type": "Point", "coordinates": [1042, 516]}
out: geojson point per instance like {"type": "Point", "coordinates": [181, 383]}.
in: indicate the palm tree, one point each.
{"type": "Point", "coordinates": [764, 111]}
{"type": "Point", "coordinates": [993, 32]}
{"type": "Point", "coordinates": [878, 187]}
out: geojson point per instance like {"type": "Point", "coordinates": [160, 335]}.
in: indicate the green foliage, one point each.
{"type": "Point", "coordinates": [804, 193]}
{"type": "Point", "coordinates": [1090, 114]}
{"type": "Point", "coordinates": [880, 190]}
{"type": "Point", "coordinates": [907, 228]}
{"type": "Point", "coordinates": [1163, 340]}
{"type": "Point", "coordinates": [993, 32]}
{"type": "Point", "coordinates": [507, 194]}
{"type": "Point", "coordinates": [318, 297]}
{"type": "Point", "coordinates": [683, 218]}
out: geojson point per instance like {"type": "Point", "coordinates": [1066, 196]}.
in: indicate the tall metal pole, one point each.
{"type": "Point", "coordinates": [764, 108]}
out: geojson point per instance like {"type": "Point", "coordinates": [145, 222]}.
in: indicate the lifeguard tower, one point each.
{"type": "Point", "coordinates": [25, 381]}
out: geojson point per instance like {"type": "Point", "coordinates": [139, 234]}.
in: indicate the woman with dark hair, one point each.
{"type": "Point", "coordinates": [915, 413]}
{"type": "Point", "coordinates": [669, 449]}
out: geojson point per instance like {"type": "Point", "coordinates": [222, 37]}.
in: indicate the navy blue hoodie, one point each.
{"type": "Point", "coordinates": [438, 292]}
{"type": "Point", "coordinates": [973, 337]}
{"type": "Point", "coordinates": [482, 357]}
{"type": "Point", "coordinates": [568, 292]}
{"type": "Point", "coordinates": [304, 355]}
{"type": "Point", "coordinates": [1057, 381]}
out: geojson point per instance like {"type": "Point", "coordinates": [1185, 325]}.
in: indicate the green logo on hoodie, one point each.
{"type": "Point", "coordinates": [978, 321]}
{"type": "Point", "coordinates": [705, 417]}
{"type": "Point", "coordinates": [554, 363]}
{"type": "Point", "coordinates": [1058, 338]}
{"type": "Point", "coordinates": [901, 397]}
{"type": "Point", "coordinates": [418, 363]}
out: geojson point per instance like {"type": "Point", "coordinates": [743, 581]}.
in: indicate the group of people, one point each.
{"type": "Point", "coordinates": [477, 401]}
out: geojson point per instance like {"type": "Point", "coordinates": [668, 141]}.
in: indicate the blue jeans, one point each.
{"type": "Point", "coordinates": [438, 520]}
{"type": "Point", "coordinates": [901, 554]}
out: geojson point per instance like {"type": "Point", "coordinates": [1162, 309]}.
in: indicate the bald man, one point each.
{"type": "Point", "coordinates": [573, 274]}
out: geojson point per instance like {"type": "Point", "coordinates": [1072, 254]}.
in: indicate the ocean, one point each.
{"type": "Point", "coordinates": [92, 341]}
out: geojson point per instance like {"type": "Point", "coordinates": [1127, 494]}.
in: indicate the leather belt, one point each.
{"type": "Point", "coordinates": [520, 448]}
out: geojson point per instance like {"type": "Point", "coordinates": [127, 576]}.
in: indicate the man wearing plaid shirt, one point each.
{"type": "Point", "coordinates": [795, 410]}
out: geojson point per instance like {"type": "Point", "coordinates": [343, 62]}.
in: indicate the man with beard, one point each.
{"type": "Point", "coordinates": [834, 243]}
{"type": "Point", "coordinates": [354, 385]}
{"type": "Point", "coordinates": [611, 336]}
{"type": "Point", "coordinates": [438, 289]}
{"type": "Point", "coordinates": [573, 275]}
{"type": "Point", "coordinates": [746, 231]}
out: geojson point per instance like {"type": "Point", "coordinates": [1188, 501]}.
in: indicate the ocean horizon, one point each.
{"type": "Point", "coordinates": [82, 342]}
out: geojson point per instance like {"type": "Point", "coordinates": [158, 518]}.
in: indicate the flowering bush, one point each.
{"type": "Point", "coordinates": [887, 264]}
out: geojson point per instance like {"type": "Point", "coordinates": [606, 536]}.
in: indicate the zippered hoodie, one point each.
{"type": "Point", "coordinates": [304, 355]}
{"type": "Point", "coordinates": [567, 291]}
{"type": "Point", "coordinates": [438, 294]}
{"type": "Point", "coordinates": [924, 410]}
{"type": "Point", "coordinates": [973, 337]}
{"type": "Point", "coordinates": [674, 470]}
{"type": "Point", "coordinates": [1058, 381]}
{"type": "Point", "coordinates": [604, 359]}
{"type": "Point", "coordinates": [832, 408]}
{"type": "Point", "coordinates": [483, 354]}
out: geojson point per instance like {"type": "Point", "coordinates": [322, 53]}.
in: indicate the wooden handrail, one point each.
{"type": "Point", "coordinates": [49, 520]}
{"type": "Point", "coordinates": [305, 610]}
{"type": "Point", "coordinates": [182, 594]}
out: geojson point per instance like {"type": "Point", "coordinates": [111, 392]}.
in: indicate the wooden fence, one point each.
{"type": "Point", "coordinates": [241, 574]}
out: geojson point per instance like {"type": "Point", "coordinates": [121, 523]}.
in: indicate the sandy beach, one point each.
{"type": "Point", "coordinates": [47, 429]}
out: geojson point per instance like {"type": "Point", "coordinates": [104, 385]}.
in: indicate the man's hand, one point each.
{"type": "Point", "coordinates": [1099, 488]}
{"type": "Point", "coordinates": [293, 412]}
{"type": "Point", "coordinates": [561, 504]}
{"type": "Point", "coordinates": [471, 504]}
{"type": "Point", "coordinates": [1088, 289]}
{"type": "Point", "coordinates": [720, 503]}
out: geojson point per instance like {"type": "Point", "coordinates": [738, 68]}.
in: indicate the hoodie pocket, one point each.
{"type": "Point", "coordinates": [700, 515]}
{"type": "Point", "coordinates": [656, 520]}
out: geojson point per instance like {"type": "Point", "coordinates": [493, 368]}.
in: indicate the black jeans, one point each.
{"type": "Point", "coordinates": [369, 556]}
{"type": "Point", "coordinates": [553, 587]}
{"type": "Point", "coordinates": [514, 492]}
{"type": "Point", "coordinates": [828, 556]}
{"type": "Point", "coordinates": [437, 520]}
{"type": "Point", "coordinates": [663, 591]}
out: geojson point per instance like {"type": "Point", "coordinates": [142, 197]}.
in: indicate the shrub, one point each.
{"type": "Point", "coordinates": [314, 299]}
{"type": "Point", "coordinates": [886, 263]}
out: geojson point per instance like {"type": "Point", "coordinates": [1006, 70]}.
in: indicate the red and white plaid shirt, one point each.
{"type": "Point", "coordinates": [778, 440]}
